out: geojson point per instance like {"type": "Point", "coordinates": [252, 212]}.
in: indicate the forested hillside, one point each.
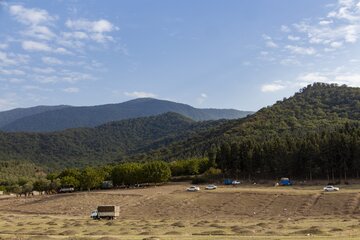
{"type": "Point", "coordinates": [76, 117]}
{"type": "Point", "coordinates": [10, 116]}
{"type": "Point", "coordinates": [314, 134]}
{"type": "Point", "coordinates": [112, 142]}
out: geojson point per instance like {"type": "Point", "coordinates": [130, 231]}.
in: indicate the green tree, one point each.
{"type": "Point", "coordinates": [156, 172]}
{"type": "Point", "coordinates": [91, 178]}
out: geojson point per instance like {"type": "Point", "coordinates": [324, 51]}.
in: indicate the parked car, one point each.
{"type": "Point", "coordinates": [211, 187]}
{"type": "Point", "coordinates": [331, 188]}
{"type": "Point", "coordinates": [193, 189]}
{"type": "Point", "coordinates": [285, 182]}
{"type": "Point", "coordinates": [235, 182]}
{"type": "Point", "coordinates": [66, 189]}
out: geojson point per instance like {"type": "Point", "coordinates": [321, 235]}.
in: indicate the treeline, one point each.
{"type": "Point", "coordinates": [120, 175]}
{"type": "Point", "coordinates": [333, 154]}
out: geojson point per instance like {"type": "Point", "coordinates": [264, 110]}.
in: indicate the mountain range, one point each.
{"type": "Point", "coordinates": [57, 118]}
{"type": "Point", "coordinates": [170, 136]}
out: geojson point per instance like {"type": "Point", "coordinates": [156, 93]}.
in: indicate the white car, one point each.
{"type": "Point", "coordinates": [331, 189]}
{"type": "Point", "coordinates": [193, 189]}
{"type": "Point", "coordinates": [235, 182]}
{"type": "Point", "coordinates": [211, 187]}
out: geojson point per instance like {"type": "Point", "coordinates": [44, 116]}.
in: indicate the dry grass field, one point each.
{"type": "Point", "coordinates": [169, 212]}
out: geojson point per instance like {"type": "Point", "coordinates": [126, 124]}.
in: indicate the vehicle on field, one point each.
{"type": "Point", "coordinates": [228, 181]}
{"type": "Point", "coordinates": [107, 185]}
{"type": "Point", "coordinates": [285, 182]}
{"type": "Point", "coordinates": [210, 187]}
{"type": "Point", "coordinates": [66, 189]}
{"type": "Point", "coordinates": [331, 188]}
{"type": "Point", "coordinates": [193, 189]}
{"type": "Point", "coordinates": [235, 182]}
{"type": "Point", "coordinates": [106, 211]}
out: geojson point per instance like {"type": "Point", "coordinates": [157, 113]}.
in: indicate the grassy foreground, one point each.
{"type": "Point", "coordinates": [168, 212]}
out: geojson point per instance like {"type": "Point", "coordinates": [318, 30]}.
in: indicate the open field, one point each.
{"type": "Point", "coordinates": [168, 212]}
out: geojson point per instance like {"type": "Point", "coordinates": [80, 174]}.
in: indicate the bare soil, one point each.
{"type": "Point", "coordinates": [169, 212]}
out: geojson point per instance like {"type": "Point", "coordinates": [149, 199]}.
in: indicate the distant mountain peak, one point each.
{"type": "Point", "coordinates": [62, 117]}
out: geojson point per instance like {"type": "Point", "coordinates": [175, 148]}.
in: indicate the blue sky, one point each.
{"type": "Point", "coordinates": [226, 54]}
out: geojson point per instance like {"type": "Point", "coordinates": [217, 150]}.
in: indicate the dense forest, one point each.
{"type": "Point", "coordinates": [329, 154]}
{"type": "Point", "coordinates": [313, 134]}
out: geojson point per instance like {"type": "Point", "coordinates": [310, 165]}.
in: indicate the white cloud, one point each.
{"type": "Point", "coordinates": [289, 61]}
{"type": "Point", "coordinates": [11, 72]}
{"type": "Point", "coordinates": [301, 50]}
{"type": "Point", "coordinates": [340, 25]}
{"type": "Point", "coordinates": [140, 94]}
{"type": "Point", "coordinates": [325, 22]}
{"type": "Point", "coordinates": [313, 77]}
{"type": "Point", "coordinates": [43, 70]}
{"type": "Point", "coordinates": [349, 79]}
{"type": "Point", "coordinates": [37, 88]}
{"type": "Point", "coordinates": [96, 30]}
{"type": "Point", "coordinates": [201, 99]}
{"type": "Point", "coordinates": [30, 16]}
{"type": "Point", "coordinates": [285, 28]}
{"type": "Point", "coordinates": [99, 26]}
{"type": "Point", "coordinates": [7, 59]}
{"type": "Point", "coordinates": [3, 46]}
{"type": "Point", "coordinates": [71, 90]}
{"type": "Point", "coordinates": [35, 46]}
{"type": "Point", "coordinates": [51, 61]}
{"type": "Point", "coordinates": [40, 32]}
{"type": "Point", "coordinates": [271, 44]}
{"type": "Point", "coordinates": [338, 76]}
{"type": "Point", "coordinates": [273, 87]}
{"type": "Point", "coordinates": [336, 44]}
{"type": "Point", "coordinates": [293, 38]}
{"type": "Point", "coordinates": [6, 104]}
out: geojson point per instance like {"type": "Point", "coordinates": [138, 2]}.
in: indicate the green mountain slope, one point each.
{"type": "Point", "coordinates": [75, 117]}
{"type": "Point", "coordinates": [10, 116]}
{"type": "Point", "coordinates": [313, 110]}
{"type": "Point", "coordinates": [104, 144]}
{"type": "Point", "coordinates": [316, 108]}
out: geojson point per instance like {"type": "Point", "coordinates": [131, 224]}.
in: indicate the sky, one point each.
{"type": "Point", "coordinates": [244, 54]}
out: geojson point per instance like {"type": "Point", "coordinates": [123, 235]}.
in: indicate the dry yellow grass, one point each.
{"type": "Point", "coordinates": [169, 212]}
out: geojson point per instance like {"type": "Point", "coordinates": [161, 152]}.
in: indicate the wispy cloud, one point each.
{"type": "Point", "coordinates": [33, 46]}
{"type": "Point", "coordinates": [3, 45]}
{"type": "Point", "coordinates": [51, 61]}
{"type": "Point", "coordinates": [95, 30]}
{"type": "Point", "coordinates": [316, 43]}
{"type": "Point", "coordinates": [202, 98]}
{"type": "Point", "coordinates": [71, 90]}
{"type": "Point", "coordinates": [300, 50]}
{"type": "Point", "coordinates": [139, 94]}
{"type": "Point", "coordinates": [269, 42]}
{"type": "Point", "coordinates": [273, 87]}
{"type": "Point", "coordinates": [31, 16]}
{"type": "Point", "coordinates": [7, 59]}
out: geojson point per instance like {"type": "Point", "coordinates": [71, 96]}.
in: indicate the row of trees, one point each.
{"type": "Point", "coordinates": [332, 154]}
{"type": "Point", "coordinates": [153, 172]}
